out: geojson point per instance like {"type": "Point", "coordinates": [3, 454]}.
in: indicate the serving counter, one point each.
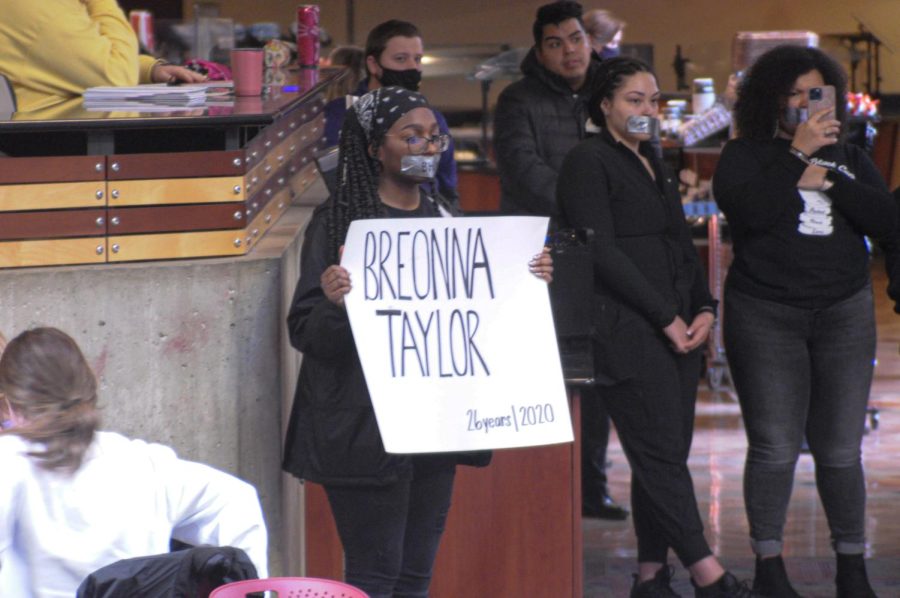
{"type": "Point", "coordinates": [188, 352]}
{"type": "Point", "coordinates": [79, 186]}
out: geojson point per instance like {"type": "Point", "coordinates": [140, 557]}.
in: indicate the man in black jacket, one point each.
{"type": "Point", "coordinates": [538, 120]}
{"type": "Point", "coordinates": [543, 115]}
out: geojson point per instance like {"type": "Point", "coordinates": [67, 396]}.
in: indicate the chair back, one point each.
{"type": "Point", "coordinates": [572, 301]}
{"type": "Point", "coordinates": [327, 163]}
{"type": "Point", "coordinates": [289, 587]}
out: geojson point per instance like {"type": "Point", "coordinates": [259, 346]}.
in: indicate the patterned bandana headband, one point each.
{"type": "Point", "coordinates": [378, 110]}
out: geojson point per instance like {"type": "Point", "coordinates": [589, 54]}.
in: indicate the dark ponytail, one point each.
{"type": "Point", "coordinates": [610, 76]}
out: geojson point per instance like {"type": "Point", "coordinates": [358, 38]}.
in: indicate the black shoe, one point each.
{"type": "Point", "coordinates": [771, 579]}
{"type": "Point", "coordinates": [658, 587]}
{"type": "Point", "coordinates": [851, 579]}
{"type": "Point", "coordinates": [727, 587]}
{"type": "Point", "coordinates": [606, 509]}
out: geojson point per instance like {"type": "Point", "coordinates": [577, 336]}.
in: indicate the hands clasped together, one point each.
{"type": "Point", "coordinates": [686, 338]}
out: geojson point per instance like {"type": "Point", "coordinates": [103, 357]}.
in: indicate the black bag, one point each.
{"type": "Point", "coordinates": [571, 295]}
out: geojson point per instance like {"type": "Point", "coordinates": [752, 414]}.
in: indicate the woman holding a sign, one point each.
{"type": "Point", "coordinates": [390, 509]}
{"type": "Point", "coordinates": [653, 312]}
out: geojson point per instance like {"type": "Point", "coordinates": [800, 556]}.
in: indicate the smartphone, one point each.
{"type": "Point", "coordinates": [821, 98]}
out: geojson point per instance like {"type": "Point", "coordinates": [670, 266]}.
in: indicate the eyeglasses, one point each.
{"type": "Point", "coordinates": [419, 145]}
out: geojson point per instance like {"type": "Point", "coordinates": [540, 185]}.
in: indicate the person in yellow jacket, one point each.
{"type": "Point", "coordinates": [55, 49]}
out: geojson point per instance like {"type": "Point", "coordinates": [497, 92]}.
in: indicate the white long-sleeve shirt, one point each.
{"type": "Point", "coordinates": [127, 500]}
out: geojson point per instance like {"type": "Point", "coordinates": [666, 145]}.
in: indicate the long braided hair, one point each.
{"type": "Point", "coordinates": [362, 133]}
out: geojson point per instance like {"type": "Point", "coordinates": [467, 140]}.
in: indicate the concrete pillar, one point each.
{"type": "Point", "coordinates": [189, 353]}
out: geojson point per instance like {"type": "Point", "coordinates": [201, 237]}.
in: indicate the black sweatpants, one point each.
{"type": "Point", "coordinates": [654, 416]}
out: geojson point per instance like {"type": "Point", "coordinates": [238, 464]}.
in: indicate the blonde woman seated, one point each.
{"type": "Point", "coordinates": [73, 499]}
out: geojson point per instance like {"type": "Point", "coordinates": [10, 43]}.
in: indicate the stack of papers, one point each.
{"type": "Point", "coordinates": [139, 97]}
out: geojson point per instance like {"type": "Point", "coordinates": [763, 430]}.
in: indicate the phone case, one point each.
{"type": "Point", "coordinates": [825, 101]}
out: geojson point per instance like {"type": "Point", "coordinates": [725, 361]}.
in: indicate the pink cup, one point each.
{"type": "Point", "coordinates": [247, 70]}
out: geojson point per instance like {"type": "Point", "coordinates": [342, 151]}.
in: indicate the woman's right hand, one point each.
{"type": "Point", "coordinates": [335, 282]}
{"type": "Point", "coordinates": [820, 130]}
{"type": "Point", "coordinates": [677, 333]}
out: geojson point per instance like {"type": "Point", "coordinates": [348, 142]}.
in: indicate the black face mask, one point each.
{"type": "Point", "coordinates": [407, 79]}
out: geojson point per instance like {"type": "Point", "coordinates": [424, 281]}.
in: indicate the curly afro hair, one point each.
{"type": "Point", "coordinates": [764, 91]}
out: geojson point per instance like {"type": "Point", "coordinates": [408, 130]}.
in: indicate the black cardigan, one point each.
{"type": "Point", "coordinates": [646, 268]}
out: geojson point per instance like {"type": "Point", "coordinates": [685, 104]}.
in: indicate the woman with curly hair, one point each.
{"type": "Point", "coordinates": [390, 509]}
{"type": "Point", "coordinates": [799, 322]}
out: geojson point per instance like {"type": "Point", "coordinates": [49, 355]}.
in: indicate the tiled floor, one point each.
{"type": "Point", "coordinates": [717, 464]}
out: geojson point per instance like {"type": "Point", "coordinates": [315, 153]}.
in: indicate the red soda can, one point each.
{"type": "Point", "coordinates": [142, 23]}
{"type": "Point", "coordinates": [308, 35]}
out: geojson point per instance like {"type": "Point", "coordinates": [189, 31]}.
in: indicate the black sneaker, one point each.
{"type": "Point", "coordinates": [658, 587]}
{"type": "Point", "coordinates": [771, 579]}
{"type": "Point", "coordinates": [727, 587]}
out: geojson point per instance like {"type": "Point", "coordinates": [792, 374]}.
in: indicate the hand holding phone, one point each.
{"type": "Point", "coordinates": [821, 98]}
{"type": "Point", "coordinates": [822, 128]}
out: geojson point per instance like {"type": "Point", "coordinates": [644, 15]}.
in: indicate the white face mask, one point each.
{"type": "Point", "coordinates": [420, 166]}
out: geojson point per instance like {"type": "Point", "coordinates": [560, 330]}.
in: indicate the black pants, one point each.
{"type": "Point", "coordinates": [391, 533]}
{"type": "Point", "coordinates": [594, 440]}
{"type": "Point", "coordinates": [654, 416]}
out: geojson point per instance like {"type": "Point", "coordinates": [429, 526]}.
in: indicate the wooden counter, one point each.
{"type": "Point", "coordinates": [79, 187]}
{"type": "Point", "coordinates": [514, 527]}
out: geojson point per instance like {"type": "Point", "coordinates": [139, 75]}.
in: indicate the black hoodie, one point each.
{"type": "Point", "coordinates": [538, 120]}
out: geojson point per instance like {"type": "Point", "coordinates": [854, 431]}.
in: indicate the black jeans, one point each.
{"type": "Point", "coordinates": [654, 416]}
{"type": "Point", "coordinates": [391, 533]}
{"type": "Point", "coordinates": [802, 371]}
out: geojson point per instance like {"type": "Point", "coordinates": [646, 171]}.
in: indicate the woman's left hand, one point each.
{"type": "Point", "coordinates": [699, 329]}
{"type": "Point", "coordinates": [541, 265]}
{"type": "Point", "coordinates": [165, 73]}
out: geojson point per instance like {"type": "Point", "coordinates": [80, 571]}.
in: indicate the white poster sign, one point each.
{"type": "Point", "coordinates": [455, 334]}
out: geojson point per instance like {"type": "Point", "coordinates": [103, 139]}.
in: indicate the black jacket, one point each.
{"type": "Point", "coordinates": [646, 269]}
{"type": "Point", "coordinates": [183, 574]}
{"type": "Point", "coordinates": [538, 120]}
{"type": "Point", "coordinates": [786, 248]}
{"type": "Point", "coordinates": [332, 435]}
